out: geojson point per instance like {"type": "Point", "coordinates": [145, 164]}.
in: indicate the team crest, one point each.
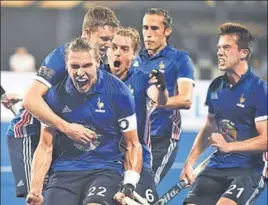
{"type": "Point", "coordinates": [161, 66]}
{"type": "Point", "coordinates": [242, 100]}
{"type": "Point", "coordinates": [131, 89]}
{"type": "Point", "coordinates": [100, 106]}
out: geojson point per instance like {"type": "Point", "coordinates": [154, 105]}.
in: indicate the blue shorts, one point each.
{"type": "Point", "coordinates": [146, 186]}
{"type": "Point", "coordinates": [82, 187]}
{"type": "Point", "coordinates": [241, 185]}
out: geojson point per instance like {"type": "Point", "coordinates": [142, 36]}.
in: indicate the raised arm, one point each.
{"type": "Point", "coordinates": [157, 91]}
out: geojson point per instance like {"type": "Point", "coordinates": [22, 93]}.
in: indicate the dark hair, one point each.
{"type": "Point", "coordinates": [133, 34]}
{"type": "Point", "coordinates": [99, 16]}
{"type": "Point", "coordinates": [161, 12]}
{"type": "Point", "coordinates": [245, 39]}
{"type": "Point", "coordinates": [81, 44]}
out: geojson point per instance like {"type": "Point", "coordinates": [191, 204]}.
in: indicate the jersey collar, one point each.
{"type": "Point", "coordinates": [97, 88]}
{"type": "Point", "coordinates": [107, 68]}
{"type": "Point", "coordinates": [240, 81]}
{"type": "Point", "coordinates": [164, 53]}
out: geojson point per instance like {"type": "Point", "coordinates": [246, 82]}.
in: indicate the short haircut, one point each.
{"type": "Point", "coordinates": [133, 34]}
{"type": "Point", "coordinates": [99, 16]}
{"type": "Point", "coordinates": [81, 44]}
{"type": "Point", "coordinates": [245, 39]}
{"type": "Point", "coordinates": [161, 12]}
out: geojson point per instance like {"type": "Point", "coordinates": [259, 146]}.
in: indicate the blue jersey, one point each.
{"type": "Point", "coordinates": [53, 69]}
{"type": "Point", "coordinates": [107, 109]}
{"type": "Point", "coordinates": [50, 73]}
{"type": "Point", "coordinates": [138, 84]}
{"type": "Point", "coordinates": [236, 109]}
{"type": "Point", "coordinates": [176, 65]}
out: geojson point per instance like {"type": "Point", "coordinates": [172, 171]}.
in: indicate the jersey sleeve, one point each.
{"type": "Point", "coordinates": [53, 68]}
{"type": "Point", "coordinates": [126, 110]}
{"type": "Point", "coordinates": [185, 68]}
{"type": "Point", "coordinates": [208, 103]}
{"type": "Point", "coordinates": [260, 101]}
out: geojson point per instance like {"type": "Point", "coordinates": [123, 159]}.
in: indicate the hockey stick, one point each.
{"type": "Point", "coordinates": [4, 97]}
{"type": "Point", "coordinates": [176, 189]}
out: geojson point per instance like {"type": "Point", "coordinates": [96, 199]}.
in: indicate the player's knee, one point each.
{"type": "Point", "coordinates": [226, 201]}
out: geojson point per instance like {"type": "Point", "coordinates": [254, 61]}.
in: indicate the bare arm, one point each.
{"type": "Point", "coordinates": [255, 144]}
{"type": "Point", "coordinates": [158, 96]}
{"type": "Point", "coordinates": [42, 159]}
{"type": "Point", "coordinates": [200, 144]}
{"type": "Point", "coordinates": [184, 99]}
{"type": "Point", "coordinates": [201, 141]}
{"type": "Point", "coordinates": [35, 104]}
{"type": "Point", "coordinates": [133, 159]}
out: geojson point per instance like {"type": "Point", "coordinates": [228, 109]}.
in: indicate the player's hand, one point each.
{"type": "Point", "coordinates": [217, 140]}
{"type": "Point", "coordinates": [34, 198]}
{"type": "Point", "coordinates": [80, 134]}
{"type": "Point", "coordinates": [11, 100]}
{"type": "Point", "coordinates": [126, 190]}
{"type": "Point", "coordinates": [188, 175]}
{"type": "Point", "coordinates": [157, 78]}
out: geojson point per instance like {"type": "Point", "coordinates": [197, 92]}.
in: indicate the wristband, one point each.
{"type": "Point", "coordinates": [131, 177]}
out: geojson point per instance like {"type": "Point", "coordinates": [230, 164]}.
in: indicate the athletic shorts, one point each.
{"type": "Point", "coordinates": [82, 187]}
{"type": "Point", "coordinates": [164, 151]}
{"type": "Point", "coordinates": [23, 135]}
{"type": "Point", "coordinates": [21, 153]}
{"type": "Point", "coordinates": [146, 186]}
{"type": "Point", "coordinates": [241, 185]}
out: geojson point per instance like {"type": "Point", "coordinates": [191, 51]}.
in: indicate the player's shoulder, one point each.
{"type": "Point", "coordinates": [257, 83]}
{"type": "Point", "coordinates": [216, 83]}
{"type": "Point", "coordinates": [60, 50]}
{"type": "Point", "coordinates": [176, 53]}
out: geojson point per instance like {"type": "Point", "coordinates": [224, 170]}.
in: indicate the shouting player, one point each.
{"type": "Point", "coordinates": [236, 125]}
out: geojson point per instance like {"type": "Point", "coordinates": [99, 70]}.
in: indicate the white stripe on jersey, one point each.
{"type": "Point", "coordinates": [42, 80]}
{"type": "Point", "coordinates": [186, 79]}
{"type": "Point", "coordinates": [20, 127]}
{"type": "Point", "coordinates": [261, 118]}
{"type": "Point", "coordinates": [265, 169]}
{"type": "Point", "coordinates": [128, 123]}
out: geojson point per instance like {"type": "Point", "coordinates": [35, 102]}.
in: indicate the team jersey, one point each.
{"type": "Point", "coordinates": [236, 109]}
{"type": "Point", "coordinates": [53, 69]}
{"type": "Point", "coordinates": [107, 109]}
{"type": "Point", "coordinates": [138, 84]}
{"type": "Point", "coordinates": [176, 66]}
{"type": "Point", "coordinates": [51, 72]}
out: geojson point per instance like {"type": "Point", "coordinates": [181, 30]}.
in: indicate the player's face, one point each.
{"type": "Point", "coordinates": [154, 33]}
{"type": "Point", "coordinates": [82, 68]}
{"type": "Point", "coordinates": [121, 51]}
{"type": "Point", "coordinates": [102, 37]}
{"type": "Point", "coordinates": [228, 53]}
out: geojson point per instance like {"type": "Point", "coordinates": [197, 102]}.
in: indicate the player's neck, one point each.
{"type": "Point", "coordinates": [235, 74]}
{"type": "Point", "coordinates": [152, 53]}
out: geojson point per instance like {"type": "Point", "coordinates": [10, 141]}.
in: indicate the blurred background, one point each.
{"type": "Point", "coordinates": [32, 29]}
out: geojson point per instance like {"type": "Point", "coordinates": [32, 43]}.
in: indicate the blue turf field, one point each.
{"type": "Point", "coordinates": [7, 184]}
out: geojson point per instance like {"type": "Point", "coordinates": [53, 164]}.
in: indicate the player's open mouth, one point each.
{"type": "Point", "coordinates": [221, 61]}
{"type": "Point", "coordinates": [81, 82]}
